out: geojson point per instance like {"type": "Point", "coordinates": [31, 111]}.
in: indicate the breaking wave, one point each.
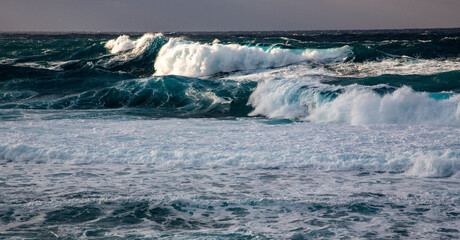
{"type": "Point", "coordinates": [354, 105]}
{"type": "Point", "coordinates": [159, 74]}
{"type": "Point", "coordinates": [180, 57]}
{"type": "Point", "coordinates": [124, 43]}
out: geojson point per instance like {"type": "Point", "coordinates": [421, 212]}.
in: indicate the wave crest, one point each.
{"type": "Point", "coordinates": [180, 57]}
{"type": "Point", "coordinates": [124, 43]}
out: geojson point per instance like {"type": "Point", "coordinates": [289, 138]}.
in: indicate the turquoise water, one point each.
{"type": "Point", "coordinates": [271, 135]}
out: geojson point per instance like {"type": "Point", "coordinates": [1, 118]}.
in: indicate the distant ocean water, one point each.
{"type": "Point", "coordinates": [234, 135]}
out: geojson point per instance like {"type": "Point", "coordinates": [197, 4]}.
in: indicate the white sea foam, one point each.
{"type": "Point", "coordinates": [124, 43]}
{"type": "Point", "coordinates": [283, 98]}
{"type": "Point", "coordinates": [404, 106]}
{"type": "Point", "coordinates": [8, 60]}
{"type": "Point", "coordinates": [357, 105]}
{"type": "Point", "coordinates": [180, 57]}
{"type": "Point", "coordinates": [121, 44]}
{"type": "Point", "coordinates": [435, 164]}
{"type": "Point", "coordinates": [210, 143]}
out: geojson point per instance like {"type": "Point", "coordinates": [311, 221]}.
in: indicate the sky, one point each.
{"type": "Point", "coordinates": [225, 15]}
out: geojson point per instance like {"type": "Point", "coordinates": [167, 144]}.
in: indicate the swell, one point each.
{"type": "Point", "coordinates": [175, 96]}
{"type": "Point", "coordinates": [438, 48]}
{"type": "Point", "coordinates": [62, 55]}
{"type": "Point", "coordinates": [204, 55]}
{"type": "Point", "coordinates": [164, 96]}
{"type": "Point", "coordinates": [77, 77]}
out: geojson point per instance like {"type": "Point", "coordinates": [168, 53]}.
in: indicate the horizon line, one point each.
{"type": "Point", "coordinates": [240, 31]}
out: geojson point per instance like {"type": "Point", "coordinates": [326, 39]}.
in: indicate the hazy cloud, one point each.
{"type": "Point", "coordinates": [222, 15]}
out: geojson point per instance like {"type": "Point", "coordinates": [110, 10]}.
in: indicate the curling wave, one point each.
{"type": "Point", "coordinates": [180, 57]}
{"type": "Point", "coordinates": [133, 56]}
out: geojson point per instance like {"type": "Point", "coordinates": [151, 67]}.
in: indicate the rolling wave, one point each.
{"type": "Point", "coordinates": [175, 96]}
{"type": "Point", "coordinates": [179, 57]}
{"type": "Point", "coordinates": [280, 78]}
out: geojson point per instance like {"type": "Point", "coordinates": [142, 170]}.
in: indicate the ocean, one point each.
{"type": "Point", "coordinates": [230, 135]}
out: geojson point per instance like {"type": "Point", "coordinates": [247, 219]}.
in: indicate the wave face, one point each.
{"type": "Point", "coordinates": [396, 77]}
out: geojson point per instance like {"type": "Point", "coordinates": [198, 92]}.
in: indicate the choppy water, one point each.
{"type": "Point", "coordinates": [300, 135]}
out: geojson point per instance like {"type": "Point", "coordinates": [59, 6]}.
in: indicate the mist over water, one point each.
{"type": "Point", "coordinates": [268, 135]}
